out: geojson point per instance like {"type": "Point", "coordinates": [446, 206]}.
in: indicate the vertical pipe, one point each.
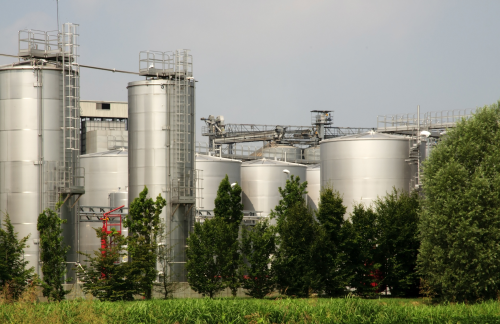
{"type": "Point", "coordinates": [40, 153]}
{"type": "Point", "coordinates": [418, 144]}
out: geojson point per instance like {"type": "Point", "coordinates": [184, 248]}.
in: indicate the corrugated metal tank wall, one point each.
{"type": "Point", "coordinates": [365, 166]}
{"type": "Point", "coordinates": [162, 154]}
{"type": "Point", "coordinates": [313, 186]}
{"type": "Point", "coordinates": [30, 132]}
{"type": "Point", "coordinates": [211, 171]}
{"type": "Point", "coordinates": [260, 180]}
{"type": "Point", "coordinates": [105, 172]}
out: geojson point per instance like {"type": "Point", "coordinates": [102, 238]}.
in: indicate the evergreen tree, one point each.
{"type": "Point", "coordinates": [208, 261]}
{"type": "Point", "coordinates": [144, 227]}
{"type": "Point", "coordinates": [362, 231]}
{"type": "Point", "coordinates": [107, 277]}
{"type": "Point", "coordinates": [460, 220]}
{"type": "Point", "coordinates": [332, 243]}
{"type": "Point", "coordinates": [398, 242]}
{"type": "Point", "coordinates": [14, 273]}
{"type": "Point", "coordinates": [229, 208]}
{"type": "Point", "coordinates": [52, 254]}
{"type": "Point", "coordinates": [257, 247]}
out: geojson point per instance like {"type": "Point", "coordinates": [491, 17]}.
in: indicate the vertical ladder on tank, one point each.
{"type": "Point", "coordinates": [69, 178]}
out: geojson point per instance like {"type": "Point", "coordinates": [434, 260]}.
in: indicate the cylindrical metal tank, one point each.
{"type": "Point", "coordinates": [105, 172]}
{"type": "Point", "coordinates": [31, 143]}
{"type": "Point", "coordinates": [312, 154]}
{"type": "Point", "coordinates": [211, 170]}
{"type": "Point", "coordinates": [161, 149]}
{"type": "Point", "coordinates": [118, 198]}
{"type": "Point", "coordinates": [365, 166]}
{"type": "Point", "coordinates": [260, 180]}
{"type": "Point", "coordinates": [313, 185]}
{"type": "Point", "coordinates": [280, 152]}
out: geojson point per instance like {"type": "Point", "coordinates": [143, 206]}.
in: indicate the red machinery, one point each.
{"type": "Point", "coordinates": [108, 222]}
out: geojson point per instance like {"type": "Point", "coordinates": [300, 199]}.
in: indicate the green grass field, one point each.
{"type": "Point", "coordinates": [348, 310]}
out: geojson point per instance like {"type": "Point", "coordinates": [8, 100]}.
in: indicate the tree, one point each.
{"type": "Point", "coordinates": [52, 254]}
{"type": "Point", "coordinates": [398, 242]}
{"type": "Point", "coordinates": [332, 244]}
{"type": "Point", "coordinates": [229, 208]}
{"type": "Point", "coordinates": [293, 193]}
{"type": "Point", "coordinates": [460, 220]}
{"type": "Point", "coordinates": [107, 277]}
{"type": "Point", "coordinates": [144, 227]}
{"type": "Point", "coordinates": [362, 232]}
{"type": "Point", "coordinates": [258, 245]}
{"type": "Point", "coordinates": [208, 260]}
{"type": "Point", "coordinates": [14, 274]}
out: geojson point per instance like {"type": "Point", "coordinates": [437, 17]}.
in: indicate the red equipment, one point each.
{"type": "Point", "coordinates": [107, 225]}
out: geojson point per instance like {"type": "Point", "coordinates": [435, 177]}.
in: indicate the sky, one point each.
{"type": "Point", "coordinates": [272, 62]}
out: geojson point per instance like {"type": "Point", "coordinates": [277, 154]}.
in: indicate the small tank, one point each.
{"type": "Point", "coordinates": [313, 185]}
{"type": "Point", "coordinates": [260, 180]}
{"type": "Point", "coordinates": [312, 154]}
{"type": "Point", "coordinates": [280, 152]}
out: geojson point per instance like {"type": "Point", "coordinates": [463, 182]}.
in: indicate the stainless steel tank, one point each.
{"type": "Point", "coordinates": [211, 170]}
{"type": "Point", "coordinates": [313, 185]}
{"type": "Point", "coordinates": [280, 152]}
{"type": "Point", "coordinates": [105, 172]}
{"type": "Point", "coordinates": [31, 142]}
{"type": "Point", "coordinates": [260, 180]}
{"type": "Point", "coordinates": [365, 166]}
{"type": "Point", "coordinates": [312, 154]}
{"type": "Point", "coordinates": [161, 147]}
{"type": "Point", "coordinates": [118, 198]}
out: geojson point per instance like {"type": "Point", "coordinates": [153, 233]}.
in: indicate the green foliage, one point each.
{"type": "Point", "coordinates": [295, 262]}
{"type": "Point", "coordinates": [144, 227]}
{"type": "Point", "coordinates": [398, 242]}
{"type": "Point", "coordinates": [208, 261]}
{"type": "Point", "coordinates": [258, 244]}
{"type": "Point", "coordinates": [229, 208]}
{"type": "Point", "coordinates": [52, 254]}
{"type": "Point", "coordinates": [14, 276]}
{"type": "Point", "coordinates": [363, 232]}
{"type": "Point", "coordinates": [460, 221]}
{"type": "Point", "coordinates": [105, 277]}
{"type": "Point", "coordinates": [332, 245]}
{"type": "Point", "coordinates": [293, 193]}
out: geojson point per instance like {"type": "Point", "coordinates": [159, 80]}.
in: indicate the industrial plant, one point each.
{"type": "Point", "coordinates": [97, 156]}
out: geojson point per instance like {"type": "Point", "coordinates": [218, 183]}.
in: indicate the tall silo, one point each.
{"type": "Point", "coordinates": [313, 186]}
{"type": "Point", "coordinates": [211, 170]}
{"type": "Point", "coordinates": [39, 135]}
{"type": "Point", "coordinates": [162, 142]}
{"type": "Point", "coordinates": [365, 166]}
{"type": "Point", "coordinates": [106, 173]}
{"type": "Point", "coordinates": [260, 180]}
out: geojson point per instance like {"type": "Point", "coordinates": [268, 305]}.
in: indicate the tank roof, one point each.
{"type": "Point", "coordinates": [209, 158]}
{"type": "Point", "coordinates": [119, 152]}
{"type": "Point", "coordinates": [367, 136]}
{"type": "Point", "coordinates": [270, 162]}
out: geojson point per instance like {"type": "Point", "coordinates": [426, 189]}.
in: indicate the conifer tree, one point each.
{"type": "Point", "coordinates": [14, 273]}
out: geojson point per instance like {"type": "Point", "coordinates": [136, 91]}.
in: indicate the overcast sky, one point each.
{"type": "Point", "coordinates": [271, 62]}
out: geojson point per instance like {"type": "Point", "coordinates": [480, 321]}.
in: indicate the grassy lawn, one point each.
{"type": "Point", "coordinates": [227, 310]}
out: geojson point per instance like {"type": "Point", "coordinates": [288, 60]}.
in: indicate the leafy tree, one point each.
{"type": "Point", "coordinates": [166, 284]}
{"type": "Point", "coordinates": [52, 254]}
{"type": "Point", "coordinates": [229, 208]}
{"type": "Point", "coordinates": [398, 242]}
{"type": "Point", "coordinates": [144, 227]}
{"type": "Point", "coordinates": [362, 232]}
{"type": "Point", "coordinates": [14, 274]}
{"type": "Point", "coordinates": [106, 278]}
{"type": "Point", "coordinates": [460, 221]}
{"type": "Point", "coordinates": [293, 193]}
{"type": "Point", "coordinates": [258, 245]}
{"type": "Point", "coordinates": [208, 260]}
{"type": "Point", "coordinates": [332, 244]}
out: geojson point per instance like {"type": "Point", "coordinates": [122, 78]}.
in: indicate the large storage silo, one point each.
{"type": "Point", "coordinates": [105, 174]}
{"type": "Point", "coordinates": [39, 135]}
{"type": "Point", "coordinates": [365, 166]}
{"type": "Point", "coordinates": [280, 152]}
{"type": "Point", "coordinates": [161, 142]}
{"type": "Point", "coordinates": [211, 170]}
{"type": "Point", "coordinates": [260, 180]}
{"type": "Point", "coordinates": [313, 185]}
